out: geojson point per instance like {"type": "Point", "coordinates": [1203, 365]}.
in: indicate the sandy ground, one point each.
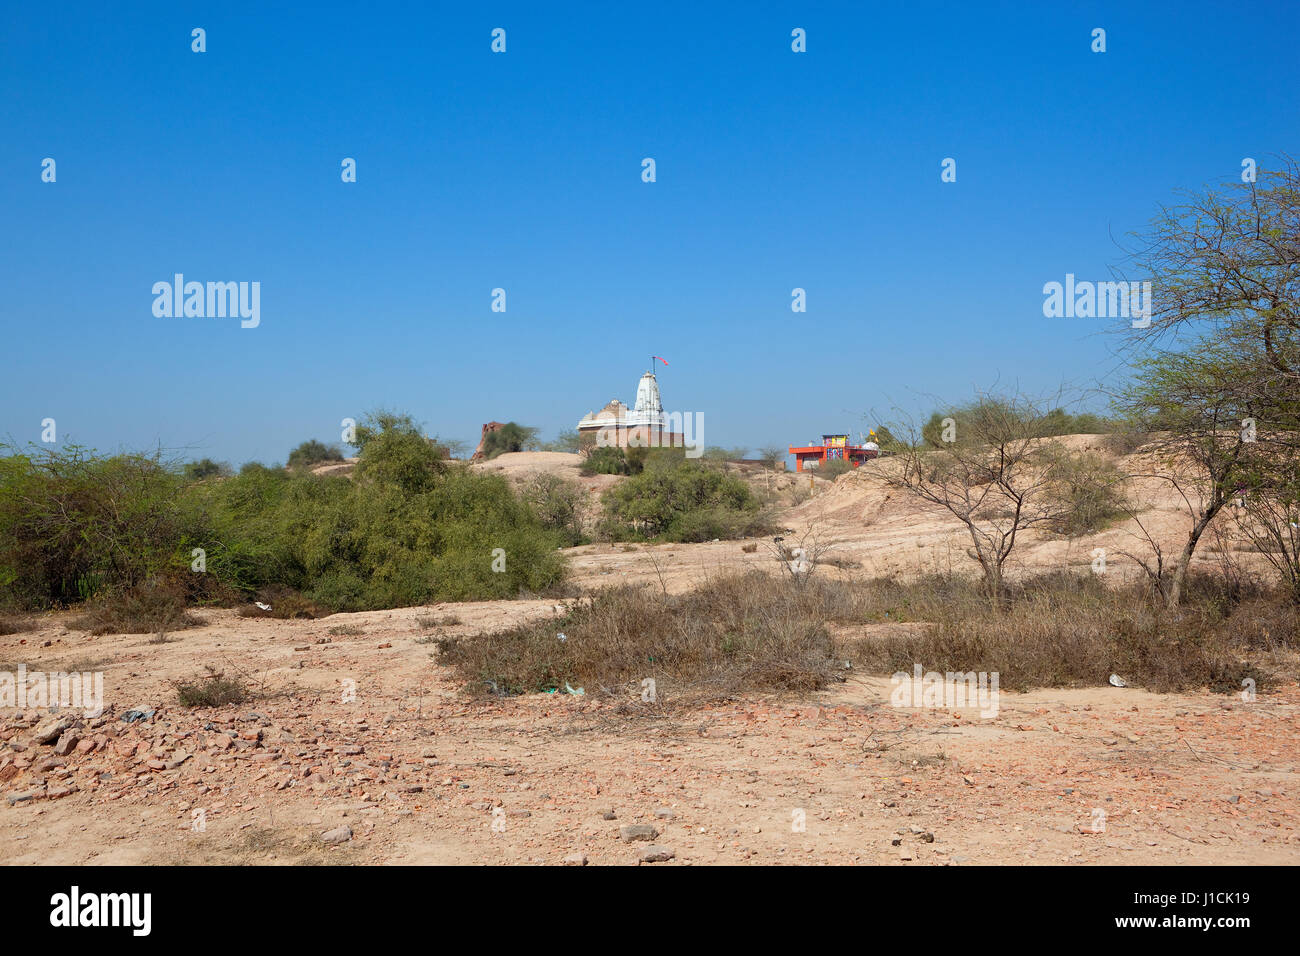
{"type": "Point", "coordinates": [861, 530]}
{"type": "Point", "coordinates": [412, 771]}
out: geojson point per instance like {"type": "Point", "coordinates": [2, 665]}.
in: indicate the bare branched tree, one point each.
{"type": "Point", "coordinates": [1153, 561]}
{"type": "Point", "coordinates": [993, 474]}
{"type": "Point", "coordinates": [1269, 517]}
{"type": "Point", "coordinates": [800, 556]}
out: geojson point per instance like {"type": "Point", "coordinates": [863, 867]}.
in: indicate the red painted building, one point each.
{"type": "Point", "coordinates": [833, 448]}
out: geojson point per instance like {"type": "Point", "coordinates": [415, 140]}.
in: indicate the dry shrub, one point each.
{"type": "Point", "coordinates": [206, 590]}
{"type": "Point", "coordinates": [15, 624]}
{"type": "Point", "coordinates": [890, 600]}
{"type": "Point", "coordinates": [158, 605]}
{"type": "Point", "coordinates": [428, 620]}
{"type": "Point", "coordinates": [558, 503]}
{"type": "Point", "coordinates": [212, 690]}
{"type": "Point", "coordinates": [1125, 441]}
{"type": "Point", "coordinates": [285, 605]}
{"type": "Point", "coordinates": [758, 632]}
{"type": "Point", "coordinates": [740, 633]}
{"type": "Point", "coordinates": [1065, 630]}
{"type": "Point", "coordinates": [1265, 624]}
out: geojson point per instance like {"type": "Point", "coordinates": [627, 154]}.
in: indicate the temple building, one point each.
{"type": "Point", "coordinates": [643, 425]}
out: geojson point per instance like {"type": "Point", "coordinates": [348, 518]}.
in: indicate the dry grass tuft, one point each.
{"type": "Point", "coordinates": [1062, 630]}
{"type": "Point", "coordinates": [213, 690]}
{"type": "Point", "coordinates": [285, 605]}
{"type": "Point", "coordinates": [756, 632]}
{"type": "Point", "coordinates": [747, 632]}
{"type": "Point", "coordinates": [148, 609]}
{"type": "Point", "coordinates": [16, 624]}
{"type": "Point", "coordinates": [261, 846]}
{"type": "Point", "coordinates": [450, 620]}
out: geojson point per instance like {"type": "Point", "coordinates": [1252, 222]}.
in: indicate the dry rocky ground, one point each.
{"type": "Point", "coordinates": [413, 771]}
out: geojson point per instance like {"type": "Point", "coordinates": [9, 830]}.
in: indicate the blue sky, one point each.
{"type": "Point", "coordinates": [522, 170]}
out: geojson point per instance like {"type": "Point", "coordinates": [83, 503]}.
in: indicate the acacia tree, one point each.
{"type": "Point", "coordinates": [1219, 376]}
{"type": "Point", "coordinates": [996, 476]}
{"type": "Point", "coordinates": [1270, 519]}
{"type": "Point", "coordinates": [568, 440]}
{"type": "Point", "coordinates": [1228, 259]}
{"type": "Point", "coordinates": [1224, 265]}
{"type": "Point", "coordinates": [1197, 407]}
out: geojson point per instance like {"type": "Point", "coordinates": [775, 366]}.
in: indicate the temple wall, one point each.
{"type": "Point", "coordinates": [623, 436]}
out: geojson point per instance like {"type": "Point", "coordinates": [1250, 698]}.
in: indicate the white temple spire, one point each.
{"type": "Point", "coordinates": [649, 409]}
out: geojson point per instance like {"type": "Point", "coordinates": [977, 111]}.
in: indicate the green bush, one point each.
{"type": "Point", "coordinates": [257, 468]}
{"type": "Point", "coordinates": [508, 438]}
{"type": "Point", "coordinates": [381, 421]}
{"type": "Point", "coordinates": [566, 441]}
{"type": "Point", "coordinates": [1089, 489]}
{"type": "Point", "coordinates": [313, 453]}
{"type": "Point", "coordinates": [969, 421]}
{"type": "Point", "coordinates": [680, 500]}
{"type": "Point", "coordinates": [557, 504]}
{"type": "Point", "coordinates": [206, 468]}
{"type": "Point", "coordinates": [402, 459]}
{"type": "Point", "coordinates": [73, 523]}
{"type": "Point", "coordinates": [889, 444]}
{"type": "Point", "coordinates": [1060, 422]}
{"type": "Point", "coordinates": [410, 529]}
{"type": "Point", "coordinates": [631, 460]}
{"type": "Point", "coordinates": [606, 460]}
